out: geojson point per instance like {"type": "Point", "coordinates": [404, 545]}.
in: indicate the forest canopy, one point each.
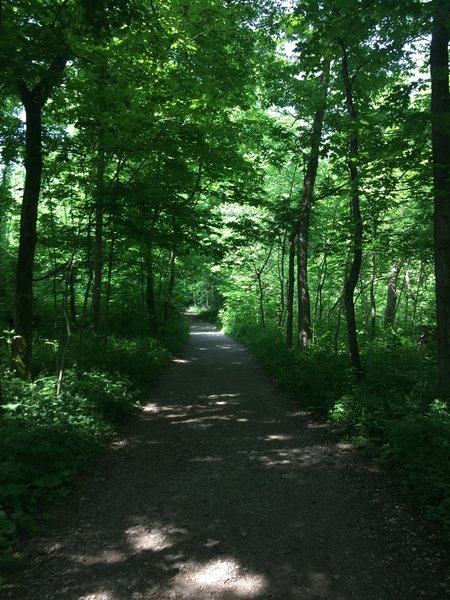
{"type": "Point", "coordinates": [282, 166]}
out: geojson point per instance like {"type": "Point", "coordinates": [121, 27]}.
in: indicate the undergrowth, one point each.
{"type": "Point", "coordinates": [394, 411]}
{"type": "Point", "coordinates": [46, 438]}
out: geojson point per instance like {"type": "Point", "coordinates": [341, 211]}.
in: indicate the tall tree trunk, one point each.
{"type": "Point", "coordinates": [304, 331]}
{"type": "Point", "coordinates": [338, 325]}
{"type": "Point", "coordinates": [98, 252]}
{"type": "Point", "coordinates": [23, 319]}
{"type": "Point", "coordinates": [373, 303]}
{"type": "Point", "coordinates": [170, 285]}
{"type": "Point", "coordinates": [282, 280]}
{"type": "Point", "coordinates": [392, 295]}
{"type": "Point", "coordinates": [417, 295]}
{"type": "Point", "coordinates": [72, 304]}
{"type": "Point", "coordinates": [108, 284]}
{"type": "Point", "coordinates": [259, 273]}
{"type": "Point", "coordinates": [353, 274]}
{"type": "Point", "coordinates": [33, 102]}
{"type": "Point", "coordinates": [290, 291]}
{"type": "Point", "coordinates": [150, 287]}
{"type": "Point", "coordinates": [321, 277]}
{"type": "Point", "coordinates": [65, 346]}
{"type": "Point", "coordinates": [262, 317]}
{"type": "Point", "coordinates": [440, 95]}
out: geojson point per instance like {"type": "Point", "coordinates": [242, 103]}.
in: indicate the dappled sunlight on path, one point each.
{"type": "Point", "coordinates": [224, 490]}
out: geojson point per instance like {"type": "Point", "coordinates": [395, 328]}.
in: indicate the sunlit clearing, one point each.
{"type": "Point", "coordinates": [220, 578]}
{"type": "Point", "coordinates": [141, 538]}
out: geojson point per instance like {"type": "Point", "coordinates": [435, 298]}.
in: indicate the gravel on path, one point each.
{"type": "Point", "coordinates": [225, 490]}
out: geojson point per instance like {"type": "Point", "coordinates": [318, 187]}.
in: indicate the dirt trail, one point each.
{"type": "Point", "coordinates": [225, 491]}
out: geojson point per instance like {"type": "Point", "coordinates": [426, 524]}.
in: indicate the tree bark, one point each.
{"type": "Point", "coordinates": [262, 317]}
{"type": "Point", "coordinates": [440, 109]}
{"type": "Point", "coordinates": [109, 284]}
{"type": "Point", "coordinates": [321, 277]}
{"type": "Point", "coordinates": [304, 330]}
{"type": "Point", "coordinates": [23, 319]}
{"type": "Point", "coordinates": [355, 267]}
{"type": "Point", "coordinates": [392, 295]}
{"type": "Point", "coordinates": [150, 288]}
{"type": "Point", "coordinates": [33, 102]}
{"type": "Point", "coordinates": [290, 291]}
{"type": "Point", "coordinates": [373, 302]}
{"type": "Point", "coordinates": [281, 280]}
{"type": "Point", "coordinates": [98, 250]}
{"type": "Point", "coordinates": [170, 285]}
{"type": "Point", "coordinates": [72, 304]}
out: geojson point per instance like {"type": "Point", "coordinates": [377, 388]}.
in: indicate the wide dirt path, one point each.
{"type": "Point", "coordinates": [223, 491]}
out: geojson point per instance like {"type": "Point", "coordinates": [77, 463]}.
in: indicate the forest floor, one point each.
{"type": "Point", "coordinates": [224, 490]}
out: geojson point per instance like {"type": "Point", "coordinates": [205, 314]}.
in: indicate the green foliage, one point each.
{"type": "Point", "coordinates": [395, 413]}
{"type": "Point", "coordinates": [175, 332]}
{"type": "Point", "coordinates": [301, 374]}
{"type": "Point", "coordinates": [46, 439]}
{"type": "Point", "coordinates": [418, 448]}
{"type": "Point", "coordinates": [166, 183]}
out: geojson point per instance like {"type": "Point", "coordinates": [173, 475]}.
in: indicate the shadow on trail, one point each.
{"type": "Point", "coordinates": [224, 491]}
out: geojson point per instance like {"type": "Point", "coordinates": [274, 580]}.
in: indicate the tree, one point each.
{"type": "Point", "coordinates": [441, 172]}
{"type": "Point", "coordinates": [35, 52]}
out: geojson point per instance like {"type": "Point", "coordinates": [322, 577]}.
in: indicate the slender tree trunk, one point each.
{"type": "Point", "coordinates": [98, 252]}
{"type": "Point", "coordinates": [321, 277]}
{"type": "Point", "coordinates": [65, 349]}
{"type": "Point", "coordinates": [282, 281]}
{"type": "Point", "coordinates": [353, 275]}
{"type": "Point", "coordinates": [108, 284]}
{"type": "Point", "coordinates": [55, 267]}
{"type": "Point", "coordinates": [171, 285]}
{"type": "Point", "coordinates": [410, 295]}
{"type": "Point", "coordinates": [392, 294]}
{"type": "Point", "coordinates": [338, 325]}
{"type": "Point", "coordinates": [373, 302]}
{"type": "Point", "coordinates": [87, 291]}
{"type": "Point", "coordinates": [72, 303]}
{"type": "Point", "coordinates": [373, 279]}
{"type": "Point", "coordinates": [259, 273]}
{"type": "Point", "coordinates": [290, 291]}
{"type": "Point", "coordinates": [417, 294]}
{"type": "Point", "coordinates": [399, 299]}
{"type": "Point", "coordinates": [23, 320]}
{"type": "Point", "coordinates": [150, 287]}
{"type": "Point", "coordinates": [304, 330]}
{"type": "Point", "coordinates": [262, 318]}
{"type": "Point", "coordinates": [440, 95]}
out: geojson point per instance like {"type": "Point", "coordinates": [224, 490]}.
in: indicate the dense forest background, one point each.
{"type": "Point", "coordinates": [282, 167]}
